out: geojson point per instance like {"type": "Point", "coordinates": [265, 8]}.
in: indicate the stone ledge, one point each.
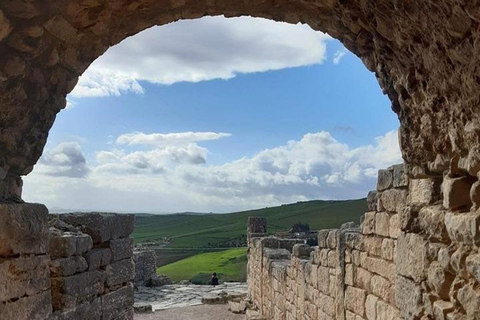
{"type": "Point", "coordinates": [102, 227]}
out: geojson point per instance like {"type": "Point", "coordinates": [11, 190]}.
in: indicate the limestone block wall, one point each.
{"type": "Point", "coordinates": [75, 266]}
{"type": "Point", "coordinates": [145, 266]}
{"type": "Point", "coordinates": [414, 256]}
{"type": "Point", "coordinates": [24, 262]}
{"type": "Point", "coordinates": [92, 266]}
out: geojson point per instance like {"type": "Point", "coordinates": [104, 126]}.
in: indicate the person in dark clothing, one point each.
{"type": "Point", "coordinates": [214, 281]}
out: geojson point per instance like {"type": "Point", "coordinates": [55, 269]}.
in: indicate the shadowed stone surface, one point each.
{"type": "Point", "coordinates": [23, 229]}
{"type": "Point", "coordinates": [424, 55]}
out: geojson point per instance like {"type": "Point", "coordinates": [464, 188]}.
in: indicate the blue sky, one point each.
{"type": "Point", "coordinates": [217, 115]}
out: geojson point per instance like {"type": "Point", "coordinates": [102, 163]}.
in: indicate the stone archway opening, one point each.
{"type": "Point", "coordinates": [425, 57]}
{"type": "Point", "coordinates": [81, 198]}
{"type": "Point", "coordinates": [47, 46]}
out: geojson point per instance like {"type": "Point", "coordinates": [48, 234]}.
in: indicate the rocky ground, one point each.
{"type": "Point", "coordinates": [180, 296]}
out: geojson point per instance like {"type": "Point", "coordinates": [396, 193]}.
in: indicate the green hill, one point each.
{"type": "Point", "coordinates": [209, 230]}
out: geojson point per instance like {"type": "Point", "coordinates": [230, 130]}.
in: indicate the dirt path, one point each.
{"type": "Point", "coordinates": [201, 312]}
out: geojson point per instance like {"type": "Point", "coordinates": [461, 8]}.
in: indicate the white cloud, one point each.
{"type": "Point", "coordinates": [176, 177]}
{"type": "Point", "coordinates": [161, 139]}
{"type": "Point", "coordinates": [198, 50]}
{"type": "Point", "coordinates": [65, 160]}
{"type": "Point", "coordinates": [338, 56]}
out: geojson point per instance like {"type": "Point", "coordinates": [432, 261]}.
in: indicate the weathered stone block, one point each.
{"type": "Point", "coordinates": [409, 219]}
{"type": "Point", "coordinates": [382, 220]}
{"type": "Point", "coordinates": [302, 250]}
{"type": "Point", "coordinates": [386, 311]}
{"type": "Point", "coordinates": [373, 245]}
{"type": "Point", "coordinates": [34, 307]}
{"type": "Point", "coordinates": [439, 280]}
{"type": "Point", "coordinates": [363, 279]}
{"type": "Point", "coordinates": [394, 200]}
{"type": "Point", "coordinates": [456, 192]}
{"type": "Point", "coordinates": [368, 223]}
{"type": "Point", "coordinates": [71, 291]}
{"type": "Point", "coordinates": [354, 240]}
{"type": "Point", "coordinates": [372, 200]}
{"type": "Point", "coordinates": [394, 229]}
{"type": "Point", "coordinates": [84, 311]}
{"type": "Point", "coordinates": [23, 276]}
{"type": "Point", "coordinates": [355, 300]}
{"type": "Point", "coordinates": [380, 266]}
{"type": "Point", "coordinates": [84, 244]}
{"type": "Point", "coordinates": [385, 179]}
{"type": "Point", "coordinates": [388, 249]}
{"type": "Point", "coordinates": [408, 296]}
{"type": "Point", "coordinates": [127, 315]}
{"type": "Point", "coordinates": [475, 195]}
{"type": "Point", "coordinates": [120, 272]}
{"type": "Point", "coordinates": [116, 303]}
{"type": "Point", "coordinates": [23, 229]}
{"type": "Point", "coordinates": [97, 258]}
{"type": "Point", "coordinates": [257, 225]}
{"type": "Point", "coordinates": [68, 266]}
{"type": "Point", "coordinates": [332, 239]}
{"type": "Point", "coordinates": [382, 287]}
{"type": "Point", "coordinates": [441, 309]}
{"type": "Point", "coordinates": [458, 260]}
{"type": "Point", "coordinates": [400, 179]}
{"type": "Point", "coordinates": [62, 246]}
{"type": "Point", "coordinates": [424, 191]}
{"type": "Point", "coordinates": [432, 221]}
{"type": "Point", "coordinates": [102, 227]}
{"type": "Point", "coordinates": [323, 279]}
{"type": "Point", "coordinates": [322, 237]}
{"type": "Point", "coordinates": [371, 307]}
{"type": "Point", "coordinates": [473, 265]}
{"type": "Point", "coordinates": [463, 227]}
{"type": "Point", "coordinates": [469, 298]}
{"type": "Point", "coordinates": [121, 248]}
{"type": "Point", "coordinates": [412, 256]}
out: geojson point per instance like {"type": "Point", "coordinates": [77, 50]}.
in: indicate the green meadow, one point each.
{"type": "Point", "coordinates": [230, 265]}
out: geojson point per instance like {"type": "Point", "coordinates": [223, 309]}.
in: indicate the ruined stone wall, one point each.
{"type": "Point", "coordinates": [145, 267]}
{"type": "Point", "coordinates": [24, 262]}
{"type": "Point", "coordinates": [75, 266]}
{"type": "Point", "coordinates": [415, 256]}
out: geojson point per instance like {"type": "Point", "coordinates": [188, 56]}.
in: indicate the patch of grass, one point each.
{"type": "Point", "coordinates": [204, 230]}
{"type": "Point", "coordinates": [230, 265]}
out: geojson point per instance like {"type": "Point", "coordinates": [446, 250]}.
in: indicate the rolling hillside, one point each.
{"type": "Point", "coordinates": [206, 230]}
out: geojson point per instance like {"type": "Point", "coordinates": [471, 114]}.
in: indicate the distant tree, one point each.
{"type": "Point", "coordinates": [300, 227]}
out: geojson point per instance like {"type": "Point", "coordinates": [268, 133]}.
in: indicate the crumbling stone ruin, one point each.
{"type": "Point", "coordinates": [77, 266]}
{"type": "Point", "coordinates": [425, 55]}
{"type": "Point", "coordinates": [414, 256]}
{"type": "Point", "coordinates": [145, 267]}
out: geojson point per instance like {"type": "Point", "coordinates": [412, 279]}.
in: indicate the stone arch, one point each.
{"type": "Point", "coordinates": [425, 56]}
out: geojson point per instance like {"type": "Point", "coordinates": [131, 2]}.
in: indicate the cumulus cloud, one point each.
{"type": "Point", "coordinates": [150, 162]}
{"type": "Point", "coordinates": [338, 56]}
{"type": "Point", "coordinates": [198, 50]}
{"type": "Point", "coordinates": [177, 177]}
{"type": "Point", "coordinates": [65, 160]}
{"type": "Point", "coordinates": [161, 139]}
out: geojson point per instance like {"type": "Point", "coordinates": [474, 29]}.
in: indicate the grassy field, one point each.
{"type": "Point", "coordinates": [210, 230]}
{"type": "Point", "coordinates": [230, 265]}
